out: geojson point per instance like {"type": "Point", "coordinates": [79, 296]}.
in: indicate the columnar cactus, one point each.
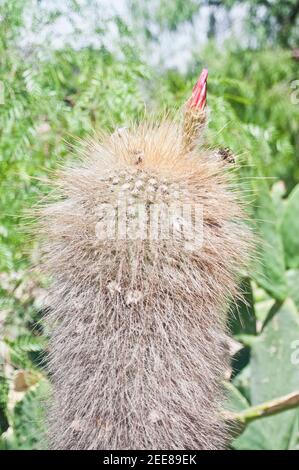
{"type": "Point", "coordinates": [138, 326]}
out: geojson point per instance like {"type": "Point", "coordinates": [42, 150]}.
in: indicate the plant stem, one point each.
{"type": "Point", "coordinates": [269, 408]}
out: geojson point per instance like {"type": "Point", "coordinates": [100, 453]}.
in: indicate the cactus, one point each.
{"type": "Point", "coordinates": [138, 346]}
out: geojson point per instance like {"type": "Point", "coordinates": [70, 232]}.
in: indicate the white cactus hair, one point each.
{"type": "Point", "coordinates": [138, 340]}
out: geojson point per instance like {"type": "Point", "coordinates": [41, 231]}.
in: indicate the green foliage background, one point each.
{"type": "Point", "coordinates": [51, 100]}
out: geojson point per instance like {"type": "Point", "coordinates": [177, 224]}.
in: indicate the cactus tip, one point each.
{"type": "Point", "coordinates": [199, 93]}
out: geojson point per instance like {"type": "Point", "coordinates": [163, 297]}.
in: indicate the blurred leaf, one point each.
{"type": "Point", "coordinates": [28, 418]}
{"type": "Point", "coordinates": [235, 401]}
{"type": "Point", "coordinates": [277, 193]}
{"type": "Point", "coordinates": [242, 382]}
{"type": "Point", "coordinates": [290, 229]}
{"type": "Point", "coordinates": [262, 310]}
{"type": "Point", "coordinates": [271, 272]}
{"type": "Point", "coordinates": [3, 404]}
{"type": "Point", "coordinates": [241, 315]}
{"type": "Point", "coordinates": [22, 347]}
{"type": "Point", "coordinates": [272, 375]}
{"type": "Point", "coordinates": [293, 284]}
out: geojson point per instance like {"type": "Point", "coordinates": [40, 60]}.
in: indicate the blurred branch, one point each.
{"type": "Point", "coordinates": [277, 405]}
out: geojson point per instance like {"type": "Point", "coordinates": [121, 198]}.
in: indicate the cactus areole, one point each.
{"type": "Point", "coordinates": [143, 243]}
